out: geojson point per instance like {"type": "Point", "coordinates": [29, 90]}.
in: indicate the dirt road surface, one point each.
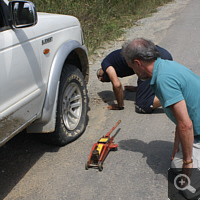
{"type": "Point", "coordinates": [30, 170]}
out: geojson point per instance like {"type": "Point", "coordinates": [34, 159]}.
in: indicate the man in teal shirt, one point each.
{"type": "Point", "coordinates": [178, 90]}
{"type": "Point", "coordinates": [173, 83]}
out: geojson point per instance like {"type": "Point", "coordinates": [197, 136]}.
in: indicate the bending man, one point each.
{"type": "Point", "coordinates": [176, 87]}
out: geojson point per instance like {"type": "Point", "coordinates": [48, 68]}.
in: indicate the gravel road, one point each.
{"type": "Point", "coordinates": [138, 170]}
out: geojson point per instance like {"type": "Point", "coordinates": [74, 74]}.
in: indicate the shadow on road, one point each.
{"type": "Point", "coordinates": [108, 97]}
{"type": "Point", "coordinates": [158, 153]}
{"type": "Point", "coordinates": [17, 157]}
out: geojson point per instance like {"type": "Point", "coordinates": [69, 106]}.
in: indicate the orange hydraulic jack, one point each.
{"type": "Point", "coordinates": [101, 149]}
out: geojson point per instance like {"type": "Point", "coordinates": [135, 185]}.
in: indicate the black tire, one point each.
{"type": "Point", "coordinates": [72, 107]}
{"type": "Point", "coordinates": [100, 166]}
{"type": "Point", "coordinates": [86, 165]}
{"type": "Point", "coordinates": [114, 149]}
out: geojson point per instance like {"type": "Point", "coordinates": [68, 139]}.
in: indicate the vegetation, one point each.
{"type": "Point", "coordinates": [101, 20]}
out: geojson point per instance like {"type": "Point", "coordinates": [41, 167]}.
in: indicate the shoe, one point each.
{"type": "Point", "coordinates": [139, 110]}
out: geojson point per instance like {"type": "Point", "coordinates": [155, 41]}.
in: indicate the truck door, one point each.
{"type": "Point", "coordinates": [21, 80]}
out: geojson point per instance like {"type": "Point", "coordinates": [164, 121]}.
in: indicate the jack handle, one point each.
{"type": "Point", "coordinates": [108, 134]}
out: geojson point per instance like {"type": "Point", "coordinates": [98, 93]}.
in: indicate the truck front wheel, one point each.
{"type": "Point", "coordinates": [72, 107]}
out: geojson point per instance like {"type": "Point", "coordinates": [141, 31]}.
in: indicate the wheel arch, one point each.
{"type": "Point", "coordinates": [70, 52]}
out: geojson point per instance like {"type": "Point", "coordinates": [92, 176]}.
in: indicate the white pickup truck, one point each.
{"type": "Point", "coordinates": [43, 74]}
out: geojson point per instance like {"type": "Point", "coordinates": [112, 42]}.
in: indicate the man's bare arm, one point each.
{"type": "Point", "coordinates": [184, 130]}
{"type": "Point", "coordinates": [176, 143]}
{"type": "Point", "coordinates": [117, 88]}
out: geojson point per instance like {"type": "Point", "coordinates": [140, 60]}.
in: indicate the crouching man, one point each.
{"type": "Point", "coordinates": [114, 66]}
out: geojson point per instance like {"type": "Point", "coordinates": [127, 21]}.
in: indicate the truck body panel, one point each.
{"type": "Point", "coordinates": [30, 77]}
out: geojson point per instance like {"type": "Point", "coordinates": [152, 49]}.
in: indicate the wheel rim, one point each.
{"type": "Point", "coordinates": [72, 106]}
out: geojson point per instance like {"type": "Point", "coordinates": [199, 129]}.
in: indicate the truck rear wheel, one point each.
{"type": "Point", "coordinates": [72, 107]}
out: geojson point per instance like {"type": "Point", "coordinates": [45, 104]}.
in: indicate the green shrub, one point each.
{"type": "Point", "coordinates": [101, 20]}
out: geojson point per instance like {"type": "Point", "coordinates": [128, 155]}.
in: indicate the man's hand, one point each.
{"type": "Point", "coordinates": [187, 169]}
{"type": "Point", "coordinates": [115, 107]}
{"type": "Point", "coordinates": [130, 88]}
{"type": "Point", "coordinates": [176, 144]}
{"type": "Point", "coordinates": [176, 149]}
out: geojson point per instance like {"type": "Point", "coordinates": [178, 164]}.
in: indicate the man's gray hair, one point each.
{"type": "Point", "coordinates": [140, 49]}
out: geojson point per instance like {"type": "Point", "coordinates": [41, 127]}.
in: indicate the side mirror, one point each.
{"type": "Point", "coordinates": [22, 14]}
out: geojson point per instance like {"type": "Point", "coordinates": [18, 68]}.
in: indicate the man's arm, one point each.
{"type": "Point", "coordinates": [176, 143]}
{"type": "Point", "coordinates": [117, 88]}
{"type": "Point", "coordinates": [184, 130]}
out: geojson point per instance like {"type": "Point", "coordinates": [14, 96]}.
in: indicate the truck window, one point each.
{"type": "Point", "coordinates": [4, 14]}
{"type": "Point", "coordinates": [2, 22]}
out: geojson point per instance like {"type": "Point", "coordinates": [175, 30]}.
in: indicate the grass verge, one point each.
{"type": "Point", "coordinates": [102, 20]}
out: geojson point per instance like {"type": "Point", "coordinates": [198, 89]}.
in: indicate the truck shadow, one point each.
{"type": "Point", "coordinates": [17, 157]}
